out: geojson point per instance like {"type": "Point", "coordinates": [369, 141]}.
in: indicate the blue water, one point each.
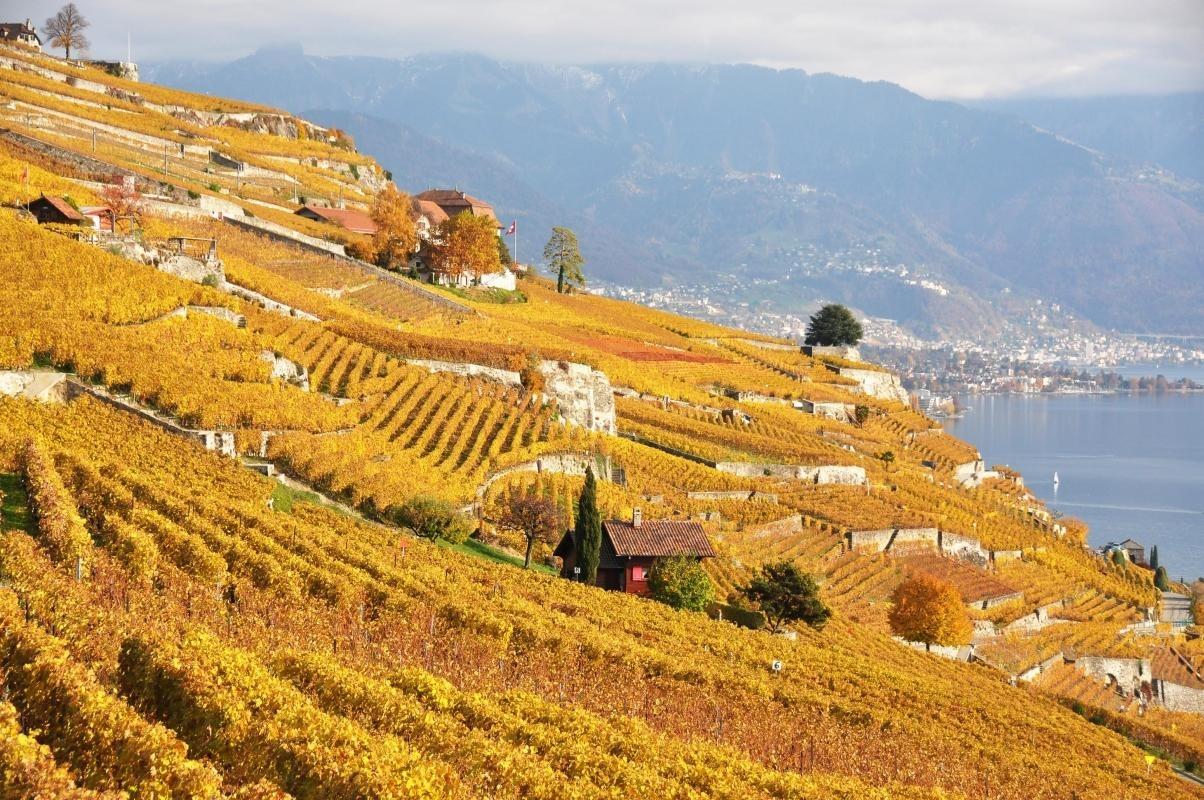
{"type": "Point", "coordinates": [1130, 465]}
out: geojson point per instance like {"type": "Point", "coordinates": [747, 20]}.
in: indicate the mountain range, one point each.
{"type": "Point", "coordinates": [786, 187]}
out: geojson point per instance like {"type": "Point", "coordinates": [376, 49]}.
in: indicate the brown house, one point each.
{"type": "Point", "coordinates": [348, 219]}
{"type": "Point", "coordinates": [49, 208]}
{"type": "Point", "coordinates": [19, 33]}
{"type": "Point", "coordinates": [630, 548]}
{"type": "Point", "coordinates": [453, 202]}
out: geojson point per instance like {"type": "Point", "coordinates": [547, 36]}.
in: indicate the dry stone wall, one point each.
{"type": "Point", "coordinates": [1175, 697]}
{"type": "Point", "coordinates": [882, 385]}
{"type": "Point", "coordinates": [1129, 673]}
{"type": "Point", "coordinates": [583, 394]}
{"type": "Point", "coordinates": [828, 474]}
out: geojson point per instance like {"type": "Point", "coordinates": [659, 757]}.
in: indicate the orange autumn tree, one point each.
{"type": "Point", "coordinates": [396, 234]}
{"type": "Point", "coordinates": [929, 610]}
{"type": "Point", "coordinates": [466, 243]}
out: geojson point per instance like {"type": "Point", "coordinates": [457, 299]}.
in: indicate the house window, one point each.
{"type": "Point", "coordinates": [639, 573]}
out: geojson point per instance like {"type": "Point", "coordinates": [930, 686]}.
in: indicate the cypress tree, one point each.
{"type": "Point", "coordinates": [1154, 558]}
{"type": "Point", "coordinates": [1161, 580]}
{"type": "Point", "coordinates": [587, 533]}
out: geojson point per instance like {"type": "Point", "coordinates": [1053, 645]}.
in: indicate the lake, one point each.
{"type": "Point", "coordinates": [1130, 465]}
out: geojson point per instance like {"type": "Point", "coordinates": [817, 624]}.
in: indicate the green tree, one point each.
{"type": "Point", "coordinates": [564, 259]}
{"type": "Point", "coordinates": [1118, 557]}
{"type": "Point", "coordinates": [503, 253]}
{"type": "Point", "coordinates": [1154, 558]}
{"type": "Point", "coordinates": [833, 325]}
{"type": "Point", "coordinates": [434, 519]}
{"type": "Point", "coordinates": [1161, 580]}
{"type": "Point", "coordinates": [588, 531]}
{"type": "Point", "coordinates": [681, 582]}
{"type": "Point", "coordinates": [786, 594]}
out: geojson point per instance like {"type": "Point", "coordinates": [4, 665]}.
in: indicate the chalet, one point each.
{"type": "Point", "coordinates": [1134, 551]}
{"type": "Point", "coordinates": [630, 548]}
{"type": "Point", "coordinates": [49, 208]}
{"type": "Point", "coordinates": [453, 202]}
{"type": "Point", "coordinates": [346, 218]}
{"type": "Point", "coordinates": [427, 217]}
{"type": "Point", "coordinates": [99, 217]}
{"type": "Point", "coordinates": [20, 33]}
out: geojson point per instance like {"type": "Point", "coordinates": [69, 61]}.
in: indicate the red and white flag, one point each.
{"type": "Point", "coordinates": [513, 229]}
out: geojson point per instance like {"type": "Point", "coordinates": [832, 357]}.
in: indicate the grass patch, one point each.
{"type": "Point", "coordinates": [478, 549]}
{"type": "Point", "coordinates": [14, 512]}
{"type": "Point", "coordinates": [284, 498]}
{"type": "Point", "coordinates": [481, 294]}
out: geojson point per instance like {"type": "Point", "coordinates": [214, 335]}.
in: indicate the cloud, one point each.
{"type": "Point", "coordinates": [939, 48]}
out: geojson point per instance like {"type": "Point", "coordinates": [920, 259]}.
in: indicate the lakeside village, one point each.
{"type": "Point", "coordinates": [1041, 349]}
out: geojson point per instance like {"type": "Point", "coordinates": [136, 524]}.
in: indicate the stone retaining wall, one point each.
{"type": "Point", "coordinates": [826, 474]}
{"type": "Point", "coordinates": [746, 496]}
{"type": "Point", "coordinates": [1175, 697]}
{"type": "Point", "coordinates": [1129, 673]}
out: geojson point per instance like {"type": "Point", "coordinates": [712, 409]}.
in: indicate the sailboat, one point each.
{"type": "Point", "coordinates": [1056, 481]}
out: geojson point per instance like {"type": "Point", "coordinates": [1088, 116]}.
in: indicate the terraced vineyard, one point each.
{"type": "Point", "coordinates": [253, 648]}
{"type": "Point", "coordinates": [438, 670]}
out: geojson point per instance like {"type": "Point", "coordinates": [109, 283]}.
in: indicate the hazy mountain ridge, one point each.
{"type": "Point", "coordinates": [682, 171]}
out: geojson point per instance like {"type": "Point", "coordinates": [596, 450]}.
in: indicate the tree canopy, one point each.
{"type": "Point", "coordinates": [432, 518]}
{"type": "Point", "coordinates": [929, 610]}
{"type": "Point", "coordinates": [681, 582]}
{"type": "Point", "coordinates": [396, 234]}
{"type": "Point", "coordinates": [466, 243]}
{"type": "Point", "coordinates": [563, 256]}
{"type": "Point", "coordinates": [66, 29]}
{"type": "Point", "coordinates": [832, 326]}
{"type": "Point", "coordinates": [1162, 580]}
{"type": "Point", "coordinates": [784, 594]}
{"type": "Point", "coordinates": [587, 534]}
{"type": "Point", "coordinates": [536, 517]}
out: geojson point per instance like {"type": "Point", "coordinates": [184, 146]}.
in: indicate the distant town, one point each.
{"type": "Point", "coordinates": [1042, 348]}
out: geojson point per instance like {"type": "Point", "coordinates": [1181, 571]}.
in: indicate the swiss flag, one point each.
{"type": "Point", "coordinates": [513, 229]}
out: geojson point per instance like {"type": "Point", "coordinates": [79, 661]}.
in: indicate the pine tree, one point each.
{"type": "Point", "coordinates": [588, 531]}
{"type": "Point", "coordinates": [564, 258]}
{"type": "Point", "coordinates": [833, 325]}
{"type": "Point", "coordinates": [1154, 558]}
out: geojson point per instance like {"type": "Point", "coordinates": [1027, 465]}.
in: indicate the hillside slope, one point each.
{"type": "Point", "coordinates": [253, 640]}
{"type": "Point", "coordinates": [703, 166]}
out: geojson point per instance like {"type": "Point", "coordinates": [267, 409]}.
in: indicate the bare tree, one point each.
{"type": "Point", "coordinates": [536, 518]}
{"type": "Point", "coordinates": [66, 29]}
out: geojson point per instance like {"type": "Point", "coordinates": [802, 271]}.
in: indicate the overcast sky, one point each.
{"type": "Point", "coordinates": [939, 48]}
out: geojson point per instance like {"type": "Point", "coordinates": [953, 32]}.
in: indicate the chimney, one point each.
{"type": "Point", "coordinates": [637, 517]}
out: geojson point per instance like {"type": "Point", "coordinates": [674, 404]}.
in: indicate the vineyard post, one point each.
{"type": "Point", "coordinates": [79, 568]}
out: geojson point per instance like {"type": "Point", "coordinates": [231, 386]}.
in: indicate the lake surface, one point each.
{"type": "Point", "coordinates": [1130, 465]}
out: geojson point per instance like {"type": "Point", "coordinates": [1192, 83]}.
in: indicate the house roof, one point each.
{"type": "Point", "coordinates": [1131, 543]}
{"type": "Point", "coordinates": [656, 538]}
{"type": "Point", "coordinates": [431, 210]}
{"type": "Point", "coordinates": [454, 201]}
{"type": "Point", "coordinates": [14, 30]}
{"type": "Point", "coordinates": [62, 206]}
{"type": "Point", "coordinates": [354, 221]}
{"type": "Point", "coordinates": [1168, 664]}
